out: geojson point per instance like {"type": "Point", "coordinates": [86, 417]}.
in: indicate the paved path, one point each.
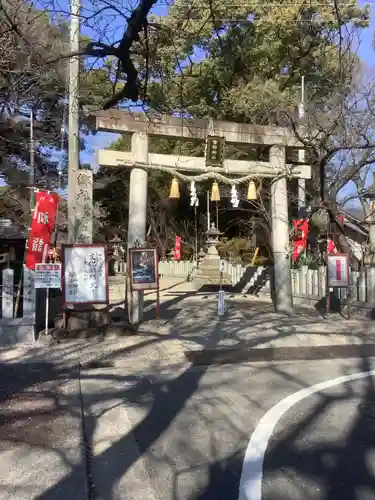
{"type": "Point", "coordinates": [324, 446]}
{"type": "Point", "coordinates": [40, 433]}
{"type": "Point", "coordinates": [180, 432]}
{"type": "Point", "coordinates": [159, 427]}
{"type": "Point", "coordinates": [184, 437]}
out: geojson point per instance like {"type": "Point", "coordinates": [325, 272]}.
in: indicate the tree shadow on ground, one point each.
{"type": "Point", "coordinates": [307, 464]}
{"type": "Point", "coordinates": [223, 477]}
{"type": "Point", "coordinates": [165, 400]}
{"type": "Point", "coordinates": [40, 416]}
{"type": "Point", "coordinates": [301, 464]}
{"type": "Point", "coordinates": [17, 377]}
{"type": "Point", "coordinates": [168, 399]}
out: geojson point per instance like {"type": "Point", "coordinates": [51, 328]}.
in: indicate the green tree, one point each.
{"type": "Point", "coordinates": [33, 77]}
{"type": "Point", "coordinates": [244, 63]}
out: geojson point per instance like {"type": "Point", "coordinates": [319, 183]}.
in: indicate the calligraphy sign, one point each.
{"type": "Point", "coordinates": [84, 206]}
{"type": "Point", "coordinates": [41, 228]}
{"type": "Point", "coordinates": [85, 274]}
{"type": "Point", "coordinates": [29, 295]}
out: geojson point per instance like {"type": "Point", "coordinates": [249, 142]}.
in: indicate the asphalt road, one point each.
{"type": "Point", "coordinates": [247, 431]}
{"type": "Point", "coordinates": [185, 437]}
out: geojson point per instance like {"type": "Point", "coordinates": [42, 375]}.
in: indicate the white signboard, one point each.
{"type": "Point", "coordinates": [85, 276]}
{"type": "Point", "coordinates": [338, 270]}
{"type": "Point", "coordinates": [48, 275]}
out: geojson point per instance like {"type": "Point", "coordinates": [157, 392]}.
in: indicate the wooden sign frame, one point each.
{"type": "Point", "coordinates": [145, 285]}
{"type": "Point", "coordinates": [338, 283]}
{"type": "Point", "coordinates": [63, 269]}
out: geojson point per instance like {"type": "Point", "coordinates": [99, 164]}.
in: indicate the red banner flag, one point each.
{"type": "Point", "coordinates": [301, 227]}
{"type": "Point", "coordinates": [177, 248]}
{"type": "Point", "coordinates": [331, 247]}
{"type": "Point", "coordinates": [41, 228]}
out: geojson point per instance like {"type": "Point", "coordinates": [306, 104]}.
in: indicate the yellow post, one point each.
{"type": "Point", "coordinates": [255, 256]}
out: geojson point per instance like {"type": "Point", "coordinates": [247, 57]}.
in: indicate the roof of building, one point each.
{"type": "Point", "coordinates": [355, 224]}
{"type": "Point", "coordinates": [10, 231]}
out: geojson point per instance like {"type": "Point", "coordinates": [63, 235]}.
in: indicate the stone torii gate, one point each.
{"type": "Point", "coordinates": [232, 172]}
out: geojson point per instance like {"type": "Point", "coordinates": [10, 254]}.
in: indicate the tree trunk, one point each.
{"type": "Point", "coordinates": [338, 235]}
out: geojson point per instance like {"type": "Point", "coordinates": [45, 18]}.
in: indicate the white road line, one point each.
{"type": "Point", "coordinates": [252, 468]}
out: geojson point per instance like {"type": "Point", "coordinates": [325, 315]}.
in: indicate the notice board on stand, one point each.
{"type": "Point", "coordinates": [338, 270]}
{"type": "Point", "coordinates": [85, 274]}
{"type": "Point", "coordinates": [143, 269]}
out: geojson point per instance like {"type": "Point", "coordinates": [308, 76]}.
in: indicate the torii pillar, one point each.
{"type": "Point", "coordinates": [280, 233]}
{"type": "Point", "coordinates": [137, 214]}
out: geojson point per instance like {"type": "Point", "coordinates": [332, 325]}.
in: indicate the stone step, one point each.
{"type": "Point", "coordinates": [204, 272]}
{"type": "Point", "coordinates": [210, 266]}
{"type": "Point", "coordinates": [212, 280]}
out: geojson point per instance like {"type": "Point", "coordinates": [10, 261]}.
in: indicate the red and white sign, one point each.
{"type": "Point", "coordinates": [48, 275]}
{"type": "Point", "coordinates": [177, 248]}
{"type": "Point", "coordinates": [301, 227]}
{"type": "Point", "coordinates": [338, 270]}
{"type": "Point", "coordinates": [41, 229]}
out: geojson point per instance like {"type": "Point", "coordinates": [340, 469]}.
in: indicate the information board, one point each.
{"type": "Point", "coordinates": [85, 274]}
{"type": "Point", "coordinates": [48, 275]}
{"type": "Point", "coordinates": [338, 270]}
{"type": "Point", "coordinates": [143, 268]}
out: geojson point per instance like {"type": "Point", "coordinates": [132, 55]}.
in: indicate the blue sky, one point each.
{"type": "Point", "coordinates": [366, 51]}
{"type": "Point", "coordinates": [101, 139]}
{"type": "Point", "coordinates": [367, 54]}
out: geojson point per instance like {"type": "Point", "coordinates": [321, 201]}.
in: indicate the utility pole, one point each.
{"type": "Point", "coordinates": [301, 156]}
{"type": "Point", "coordinates": [32, 160]}
{"type": "Point", "coordinates": [371, 243]}
{"type": "Point", "coordinates": [73, 123]}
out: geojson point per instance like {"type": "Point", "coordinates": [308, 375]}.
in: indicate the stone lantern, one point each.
{"type": "Point", "coordinates": [114, 257]}
{"type": "Point", "coordinates": [208, 272]}
{"type": "Point", "coordinates": [212, 242]}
